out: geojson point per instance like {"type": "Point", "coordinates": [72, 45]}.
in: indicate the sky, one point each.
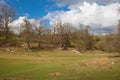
{"type": "Point", "coordinates": [101, 15]}
{"type": "Point", "coordinates": [33, 8]}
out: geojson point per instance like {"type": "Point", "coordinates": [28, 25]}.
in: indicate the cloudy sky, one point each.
{"type": "Point", "coordinates": [101, 15]}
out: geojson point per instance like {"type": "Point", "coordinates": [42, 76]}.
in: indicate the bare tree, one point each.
{"type": "Point", "coordinates": [39, 30]}
{"type": "Point", "coordinates": [7, 13]}
{"type": "Point", "coordinates": [55, 37]}
{"type": "Point", "coordinates": [117, 37]}
{"type": "Point", "coordinates": [61, 32]}
{"type": "Point", "coordinates": [27, 32]}
{"type": "Point", "coordinates": [1, 30]}
{"type": "Point", "coordinates": [84, 40]}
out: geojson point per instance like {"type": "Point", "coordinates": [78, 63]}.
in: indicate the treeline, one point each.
{"type": "Point", "coordinates": [60, 34]}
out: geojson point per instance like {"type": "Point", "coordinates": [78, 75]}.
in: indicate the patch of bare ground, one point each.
{"type": "Point", "coordinates": [72, 69]}
{"type": "Point", "coordinates": [56, 74]}
{"type": "Point", "coordinates": [75, 51]}
{"type": "Point", "coordinates": [99, 62]}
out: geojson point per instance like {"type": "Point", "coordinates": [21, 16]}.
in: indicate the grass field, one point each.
{"type": "Point", "coordinates": [58, 65]}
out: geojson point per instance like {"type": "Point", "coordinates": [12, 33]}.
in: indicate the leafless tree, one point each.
{"type": "Point", "coordinates": [117, 39]}
{"type": "Point", "coordinates": [6, 13]}
{"type": "Point", "coordinates": [61, 32]}
{"type": "Point", "coordinates": [117, 36]}
{"type": "Point", "coordinates": [39, 26]}
{"type": "Point", "coordinates": [84, 40]}
{"type": "Point", "coordinates": [27, 32]}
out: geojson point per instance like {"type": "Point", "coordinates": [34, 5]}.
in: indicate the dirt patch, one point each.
{"type": "Point", "coordinates": [56, 74]}
{"type": "Point", "coordinates": [72, 70]}
{"type": "Point", "coordinates": [99, 62]}
{"type": "Point", "coordinates": [75, 51]}
{"type": "Point", "coordinates": [83, 64]}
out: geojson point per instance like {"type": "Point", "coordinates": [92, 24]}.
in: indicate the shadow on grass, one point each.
{"type": "Point", "coordinates": [115, 56]}
{"type": "Point", "coordinates": [43, 48]}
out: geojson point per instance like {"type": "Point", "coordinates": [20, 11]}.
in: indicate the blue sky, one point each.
{"type": "Point", "coordinates": [40, 8]}
{"type": "Point", "coordinates": [101, 15]}
{"type": "Point", "coordinates": [34, 8]}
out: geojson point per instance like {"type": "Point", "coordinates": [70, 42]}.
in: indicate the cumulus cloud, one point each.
{"type": "Point", "coordinates": [95, 15]}
{"type": "Point", "coordinates": [18, 22]}
{"type": "Point", "coordinates": [17, 25]}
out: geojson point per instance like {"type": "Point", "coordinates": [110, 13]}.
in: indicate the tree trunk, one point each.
{"type": "Point", "coordinates": [6, 32]}
{"type": "Point", "coordinates": [39, 43]}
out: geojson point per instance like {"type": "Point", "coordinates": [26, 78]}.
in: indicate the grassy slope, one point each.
{"type": "Point", "coordinates": [57, 65]}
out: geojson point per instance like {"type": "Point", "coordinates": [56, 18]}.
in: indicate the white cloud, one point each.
{"type": "Point", "coordinates": [104, 16]}
{"type": "Point", "coordinates": [61, 3]}
{"type": "Point", "coordinates": [18, 22]}
{"type": "Point", "coordinates": [18, 25]}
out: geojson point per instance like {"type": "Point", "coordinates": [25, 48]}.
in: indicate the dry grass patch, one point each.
{"type": "Point", "coordinates": [99, 62]}
{"type": "Point", "coordinates": [56, 74]}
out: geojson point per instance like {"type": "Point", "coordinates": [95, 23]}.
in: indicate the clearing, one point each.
{"type": "Point", "coordinates": [59, 65]}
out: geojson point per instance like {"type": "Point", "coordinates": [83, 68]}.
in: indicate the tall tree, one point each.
{"type": "Point", "coordinates": [61, 33]}
{"type": "Point", "coordinates": [84, 40]}
{"type": "Point", "coordinates": [6, 13]}
{"type": "Point", "coordinates": [117, 39]}
{"type": "Point", "coordinates": [27, 32]}
{"type": "Point", "coordinates": [39, 26]}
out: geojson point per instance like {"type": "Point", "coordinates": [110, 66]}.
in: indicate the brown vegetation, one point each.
{"type": "Point", "coordinates": [62, 35]}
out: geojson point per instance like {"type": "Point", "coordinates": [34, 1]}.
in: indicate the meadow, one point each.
{"type": "Point", "coordinates": [58, 65]}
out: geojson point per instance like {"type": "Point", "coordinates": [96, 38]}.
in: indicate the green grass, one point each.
{"type": "Point", "coordinates": [57, 65]}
